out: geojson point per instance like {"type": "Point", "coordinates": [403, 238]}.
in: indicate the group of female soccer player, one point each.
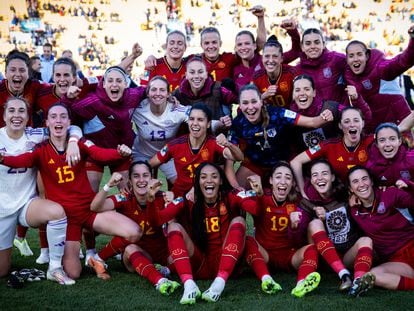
{"type": "Point", "coordinates": [324, 167]}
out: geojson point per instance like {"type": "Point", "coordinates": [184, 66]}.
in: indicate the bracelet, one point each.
{"type": "Point", "coordinates": [106, 188]}
{"type": "Point", "coordinates": [73, 139]}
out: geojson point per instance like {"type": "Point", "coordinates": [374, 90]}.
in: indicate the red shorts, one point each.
{"type": "Point", "coordinates": [76, 224]}
{"type": "Point", "coordinates": [156, 248]}
{"type": "Point", "coordinates": [405, 254]}
{"type": "Point", "coordinates": [281, 259]}
{"type": "Point", "coordinates": [118, 166]}
{"type": "Point", "coordinates": [205, 266]}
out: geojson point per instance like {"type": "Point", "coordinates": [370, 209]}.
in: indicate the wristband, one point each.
{"type": "Point", "coordinates": [106, 188]}
{"type": "Point", "coordinates": [73, 139]}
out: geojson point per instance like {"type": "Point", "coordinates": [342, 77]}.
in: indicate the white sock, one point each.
{"type": "Point", "coordinates": [343, 272]}
{"type": "Point", "coordinates": [44, 251]}
{"type": "Point", "coordinates": [90, 251]}
{"type": "Point", "coordinates": [218, 285]}
{"type": "Point", "coordinates": [56, 236]}
{"type": "Point", "coordinates": [266, 277]}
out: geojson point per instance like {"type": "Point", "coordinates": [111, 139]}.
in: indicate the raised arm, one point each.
{"type": "Point", "coordinates": [296, 165]}
{"type": "Point", "coordinates": [101, 202]}
{"type": "Point", "coordinates": [231, 151]}
{"type": "Point", "coordinates": [259, 12]}
{"type": "Point", "coordinates": [130, 58]}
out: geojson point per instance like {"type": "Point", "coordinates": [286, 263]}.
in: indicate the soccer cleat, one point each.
{"type": "Point", "coordinates": [190, 295]}
{"type": "Point", "coordinates": [310, 283]}
{"type": "Point", "coordinates": [43, 258]}
{"type": "Point", "coordinates": [346, 283]}
{"type": "Point", "coordinates": [269, 286]}
{"type": "Point", "coordinates": [362, 285]}
{"type": "Point", "coordinates": [164, 270]}
{"type": "Point", "coordinates": [23, 247]}
{"type": "Point", "coordinates": [60, 276]}
{"type": "Point", "coordinates": [15, 280]}
{"type": "Point", "coordinates": [32, 275]}
{"type": "Point", "coordinates": [166, 287]}
{"type": "Point", "coordinates": [118, 257]}
{"type": "Point", "coordinates": [99, 267]}
{"type": "Point", "coordinates": [210, 296]}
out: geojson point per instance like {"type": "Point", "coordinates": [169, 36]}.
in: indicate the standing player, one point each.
{"type": "Point", "coordinates": [157, 121]}
{"type": "Point", "coordinates": [374, 77]}
{"type": "Point", "coordinates": [260, 131]}
{"type": "Point", "coordinates": [19, 202]}
{"type": "Point", "coordinates": [188, 151]}
{"type": "Point", "coordinates": [172, 66]}
{"type": "Point", "coordinates": [280, 234]}
{"type": "Point", "coordinates": [208, 238]}
{"type": "Point", "coordinates": [70, 187]}
{"type": "Point", "coordinates": [152, 246]}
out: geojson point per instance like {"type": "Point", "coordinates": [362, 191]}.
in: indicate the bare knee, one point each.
{"type": "Point", "coordinates": [316, 225]}
{"type": "Point", "coordinates": [364, 242]}
{"type": "Point", "coordinates": [134, 234]}
{"type": "Point", "coordinates": [56, 211]}
{"type": "Point", "coordinates": [175, 227]}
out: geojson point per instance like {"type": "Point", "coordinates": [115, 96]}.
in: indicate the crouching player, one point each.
{"type": "Point", "coordinates": [152, 246]}
{"type": "Point", "coordinates": [70, 187]}
{"type": "Point", "coordinates": [210, 237]}
{"type": "Point", "coordinates": [280, 233]}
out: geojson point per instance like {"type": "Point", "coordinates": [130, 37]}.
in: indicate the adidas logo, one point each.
{"type": "Point", "coordinates": [383, 178]}
{"type": "Point", "coordinates": [183, 159]}
{"type": "Point", "coordinates": [111, 117]}
{"type": "Point", "coordinates": [145, 123]}
{"type": "Point", "coordinates": [340, 159]}
{"type": "Point", "coordinates": [51, 161]}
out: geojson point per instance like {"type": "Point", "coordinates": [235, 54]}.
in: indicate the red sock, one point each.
{"type": "Point", "coordinates": [43, 237]}
{"type": "Point", "coordinates": [179, 255]}
{"type": "Point", "coordinates": [309, 263]}
{"type": "Point", "coordinates": [89, 239]}
{"type": "Point", "coordinates": [115, 246]}
{"type": "Point", "coordinates": [326, 248]}
{"type": "Point", "coordinates": [363, 261]}
{"type": "Point", "coordinates": [232, 250]}
{"type": "Point", "coordinates": [21, 231]}
{"type": "Point", "coordinates": [255, 259]}
{"type": "Point", "coordinates": [144, 267]}
{"type": "Point", "coordinates": [405, 283]}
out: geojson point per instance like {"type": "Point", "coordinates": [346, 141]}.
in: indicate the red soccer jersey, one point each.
{"type": "Point", "coordinates": [339, 156]}
{"type": "Point", "coordinates": [222, 67]}
{"type": "Point", "coordinates": [272, 223]}
{"type": "Point", "coordinates": [284, 83]}
{"type": "Point", "coordinates": [30, 93]}
{"type": "Point", "coordinates": [68, 186]}
{"type": "Point", "coordinates": [173, 76]}
{"type": "Point", "coordinates": [217, 218]}
{"type": "Point", "coordinates": [186, 161]}
{"type": "Point", "coordinates": [152, 235]}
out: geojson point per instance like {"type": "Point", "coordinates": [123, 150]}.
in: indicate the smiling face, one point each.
{"type": "Point", "coordinates": [313, 45]}
{"type": "Point", "coordinates": [322, 179]}
{"type": "Point", "coordinates": [251, 105]}
{"type": "Point", "coordinates": [361, 185]}
{"type": "Point", "coordinates": [210, 182]}
{"type": "Point", "coordinates": [282, 183]}
{"type": "Point", "coordinates": [158, 92]}
{"type": "Point", "coordinates": [196, 75]}
{"type": "Point", "coordinates": [356, 58]}
{"type": "Point", "coordinates": [198, 124]}
{"type": "Point", "coordinates": [139, 178]}
{"type": "Point", "coordinates": [303, 93]}
{"type": "Point", "coordinates": [272, 59]}
{"type": "Point", "coordinates": [58, 121]}
{"type": "Point", "coordinates": [388, 142]}
{"type": "Point", "coordinates": [63, 77]}
{"type": "Point", "coordinates": [245, 47]}
{"type": "Point", "coordinates": [17, 74]}
{"type": "Point", "coordinates": [351, 125]}
{"type": "Point", "coordinates": [16, 115]}
{"type": "Point", "coordinates": [211, 43]}
{"type": "Point", "coordinates": [114, 85]}
{"type": "Point", "coordinates": [176, 46]}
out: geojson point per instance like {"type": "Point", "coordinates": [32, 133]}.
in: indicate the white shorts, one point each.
{"type": "Point", "coordinates": [168, 169]}
{"type": "Point", "coordinates": [8, 225]}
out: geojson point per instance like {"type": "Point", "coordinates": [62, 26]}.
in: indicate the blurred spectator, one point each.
{"type": "Point", "coordinates": [47, 60]}
{"type": "Point", "coordinates": [34, 68]}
